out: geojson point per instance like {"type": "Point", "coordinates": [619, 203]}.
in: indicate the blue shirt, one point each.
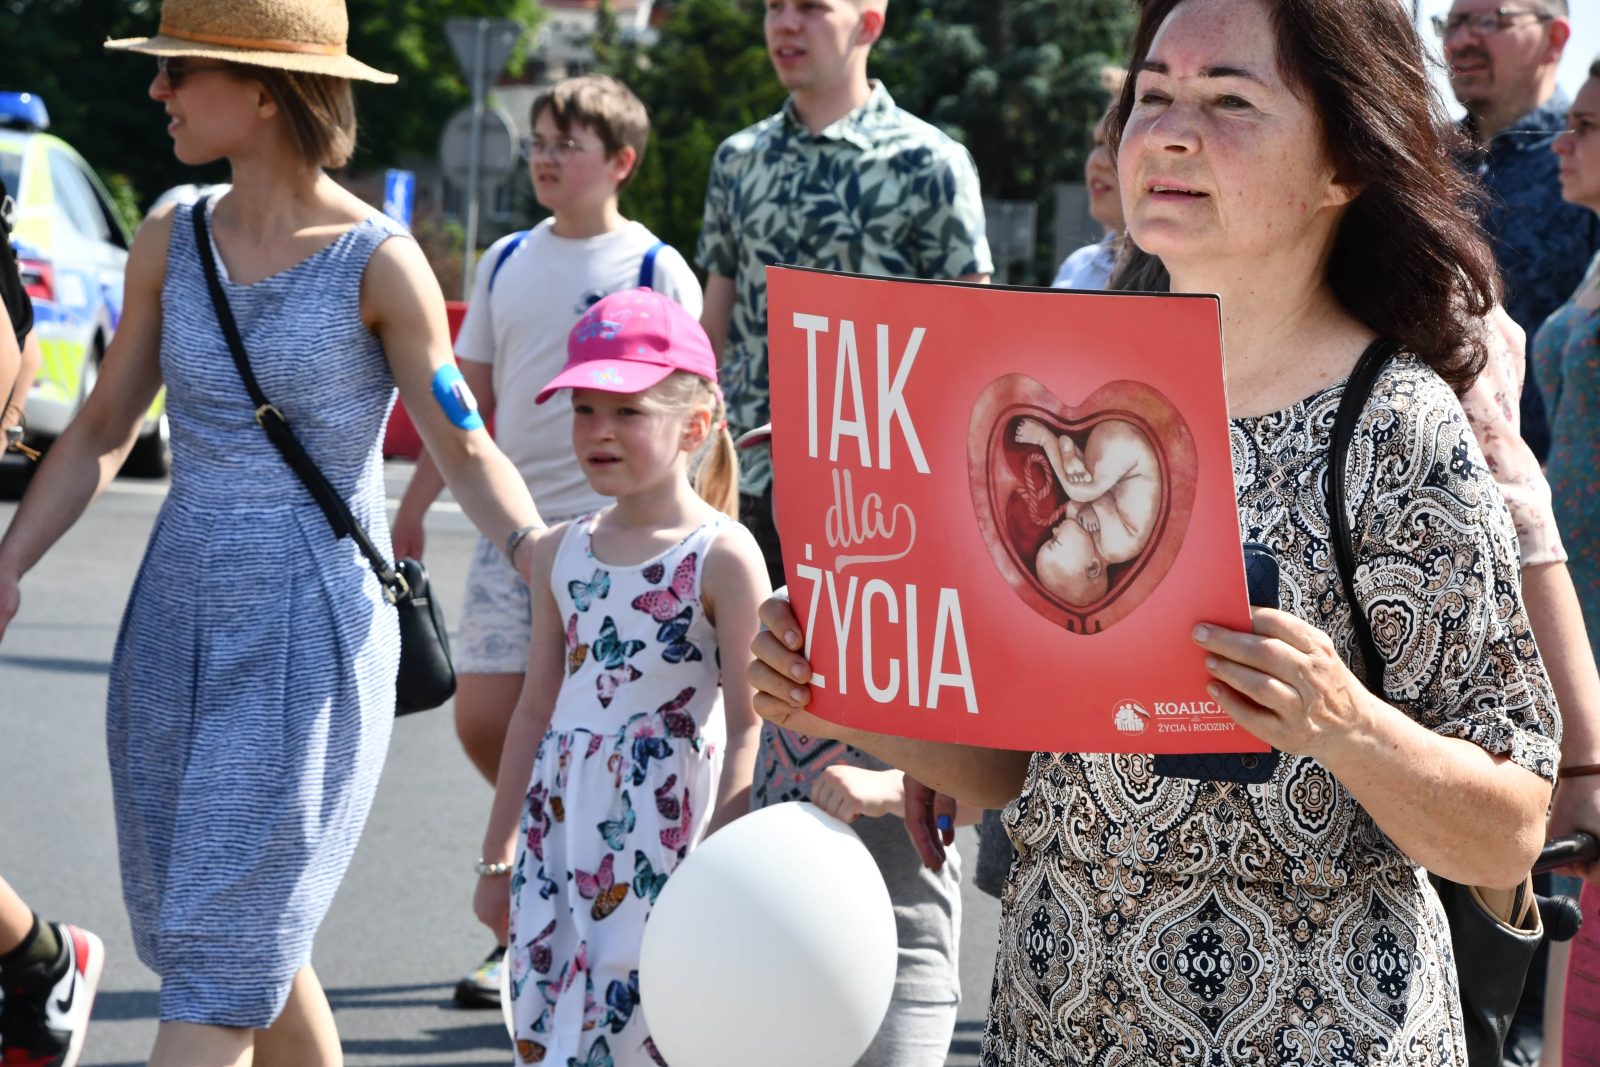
{"type": "Point", "coordinates": [1542, 243]}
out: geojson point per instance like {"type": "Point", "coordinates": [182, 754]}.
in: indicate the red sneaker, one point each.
{"type": "Point", "coordinates": [45, 1016]}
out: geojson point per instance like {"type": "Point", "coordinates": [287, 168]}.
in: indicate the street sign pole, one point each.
{"type": "Point", "coordinates": [475, 150]}
{"type": "Point", "coordinates": [481, 46]}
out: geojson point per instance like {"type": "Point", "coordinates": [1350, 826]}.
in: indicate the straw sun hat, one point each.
{"type": "Point", "coordinates": [303, 35]}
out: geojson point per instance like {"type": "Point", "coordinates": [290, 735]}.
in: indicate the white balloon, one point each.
{"type": "Point", "coordinates": [773, 943]}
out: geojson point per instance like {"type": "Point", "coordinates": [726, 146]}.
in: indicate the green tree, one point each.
{"type": "Point", "coordinates": [706, 77]}
{"type": "Point", "coordinates": [407, 38]}
{"type": "Point", "coordinates": [1017, 81]}
{"type": "Point", "coordinates": [99, 101]}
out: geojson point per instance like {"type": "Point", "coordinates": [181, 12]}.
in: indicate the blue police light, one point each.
{"type": "Point", "coordinates": [25, 110]}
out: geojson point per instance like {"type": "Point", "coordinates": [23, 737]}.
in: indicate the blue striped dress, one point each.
{"type": "Point", "coordinates": [252, 688]}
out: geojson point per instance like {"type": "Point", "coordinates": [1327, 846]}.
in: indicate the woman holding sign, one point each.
{"type": "Point", "coordinates": [1285, 156]}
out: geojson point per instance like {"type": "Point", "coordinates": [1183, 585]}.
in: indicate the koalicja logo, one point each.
{"type": "Point", "coordinates": [1130, 717]}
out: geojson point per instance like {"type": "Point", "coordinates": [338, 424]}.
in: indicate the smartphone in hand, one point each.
{"type": "Point", "coordinates": [1252, 768]}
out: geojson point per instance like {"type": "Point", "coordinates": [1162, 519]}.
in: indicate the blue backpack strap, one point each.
{"type": "Point", "coordinates": [505, 254]}
{"type": "Point", "coordinates": [647, 268]}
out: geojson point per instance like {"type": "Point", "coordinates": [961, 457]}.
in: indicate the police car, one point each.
{"type": "Point", "coordinates": [71, 249]}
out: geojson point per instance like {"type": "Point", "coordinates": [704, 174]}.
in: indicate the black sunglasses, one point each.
{"type": "Point", "coordinates": [176, 68]}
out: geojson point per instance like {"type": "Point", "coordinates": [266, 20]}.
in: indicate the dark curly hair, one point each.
{"type": "Point", "coordinates": [1409, 258]}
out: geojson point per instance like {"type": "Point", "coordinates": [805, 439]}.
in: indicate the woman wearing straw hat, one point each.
{"type": "Point", "coordinates": [252, 689]}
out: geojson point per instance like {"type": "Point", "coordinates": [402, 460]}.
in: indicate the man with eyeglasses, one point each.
{"type": "Point", "coordinates": [1502, 56]}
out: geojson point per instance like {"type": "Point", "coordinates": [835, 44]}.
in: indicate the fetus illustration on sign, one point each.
{"type": "Point", "coordinates": [1113, 490]}
{"type": "Point", "coordinates": [1083, 507]}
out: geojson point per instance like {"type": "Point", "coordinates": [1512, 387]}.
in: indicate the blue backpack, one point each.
{"type": "Point", "coordinates": [647, 269]}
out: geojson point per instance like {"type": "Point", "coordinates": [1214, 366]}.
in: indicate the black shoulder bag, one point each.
{"type": "Point", "coordinates": [426, 678]}
{"type": "Point", "coordinates": [1493, 951]}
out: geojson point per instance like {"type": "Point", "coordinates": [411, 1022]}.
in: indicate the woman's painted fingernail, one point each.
{"type": "Point", "coordinates": [1211, 663]}
{"type": "Point", "coordinates": [797, 695]}
{"type": "Point", "coordinates": [791, 639]}
{"type": "Point", "coordinates": [945, 823]}
{"type": "Point", "coordinates": [798, 670]}
{"type": "Point", "coordinates": [1202, 633]}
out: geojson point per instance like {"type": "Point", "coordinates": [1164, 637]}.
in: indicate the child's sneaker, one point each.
{"type": "Point", "coordinates": [46, 1014]}
{"type": "Point", "coordinates": [481, 988]}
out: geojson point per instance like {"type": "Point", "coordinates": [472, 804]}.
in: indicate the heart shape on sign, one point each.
{"type": "Point", "coordinates": [1084, 507]}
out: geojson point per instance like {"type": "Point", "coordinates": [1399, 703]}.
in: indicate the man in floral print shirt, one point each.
{"type": "Point", "coordinates": [839, 178]}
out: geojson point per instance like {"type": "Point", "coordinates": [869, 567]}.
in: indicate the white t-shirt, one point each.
{"type": "Point", "coordinates": [520, 327]}
{"type": "Point", "coordinates": [1087, 268]}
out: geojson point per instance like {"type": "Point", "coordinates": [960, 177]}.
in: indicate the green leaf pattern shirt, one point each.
{"type": "Point", "coordinates": [878, 192]}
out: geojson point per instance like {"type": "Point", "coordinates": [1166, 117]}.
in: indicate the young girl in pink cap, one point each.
{"type": "Point", "coordinates": [632, 744]}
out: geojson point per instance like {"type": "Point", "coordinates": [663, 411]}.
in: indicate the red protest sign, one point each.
{"type": "Point", "coordinates": [1004, 510]}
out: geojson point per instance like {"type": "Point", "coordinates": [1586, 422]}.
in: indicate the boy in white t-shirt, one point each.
{"type": "Point", "coordinates": [589, 136]}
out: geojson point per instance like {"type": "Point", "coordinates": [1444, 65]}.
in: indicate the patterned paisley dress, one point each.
{"type": "Point", "coordinates": [1153, 920]}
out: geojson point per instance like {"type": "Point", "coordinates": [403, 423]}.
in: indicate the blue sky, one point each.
{"type": "Point", "coordinates": [1582, 50]}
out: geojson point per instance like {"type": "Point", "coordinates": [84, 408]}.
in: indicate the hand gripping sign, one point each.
{"type": "Point", "coordinates": [1004, 510]}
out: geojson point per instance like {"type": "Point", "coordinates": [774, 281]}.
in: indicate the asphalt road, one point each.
{"type": "Point", "coordinates": [401, 929]}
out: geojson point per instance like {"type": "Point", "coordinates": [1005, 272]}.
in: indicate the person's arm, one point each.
{"type": "Point", "coordinates": [1451, 806]}
{"type": "Point", "coordinates": [717, 250]}
{"type": "Point", "coordinates": [850, 793]}
{"type": "Point", "coordinates": [733, 583]}
{"type": "Point", "coordinates": [982, 777]}
{"type": "Point", "coordinates": [718, 313]}
{"type": "Point", "coordinates": [1493, 408]}
{"type": "Point", "coordinates": [1557, 621]}
{"type": "Point", "coordinates": [402, 304]}
{"type": "Point", "coordinates": [1554, 613]}
{"type": "Point", "coordinates": [27, 370]}
{"type": "Point", "coordinates": [427, 483]}
{"type": "Point", "coordinates": [931, 820]}
{"type": "Point", "coordinates": [91, 450]}
{"type": "Point", "coordinates": [529, 721]}
{"type": "Point", "coordinates": [10, 373]}
{"type": "Point", "coordinates": [950, 240]}
{"type": "Point", "coordinates": [1461, 778]}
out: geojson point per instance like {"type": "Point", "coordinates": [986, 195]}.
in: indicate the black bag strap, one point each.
{"type": "Point", "coordinates": [1357, 391]}
{"type": "Point", "coordinates": [270, 419]}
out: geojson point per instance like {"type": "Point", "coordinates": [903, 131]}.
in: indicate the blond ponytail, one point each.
{"type": "Point", "coordinates": [714, 467]}
{"type": "Point", "coordinates": [717, 477]}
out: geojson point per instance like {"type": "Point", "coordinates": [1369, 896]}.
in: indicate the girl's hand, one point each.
{"type": "Point", "coordinates": [491, 903]}
{"type": "Point", "coordinates": [852, 793]}
{"type": "Point", "coordinates": [779, 672]}
{"type": "Point", "coordinates": [1286, 684]}
{"type": "Point", "coordinates": [930, 821]}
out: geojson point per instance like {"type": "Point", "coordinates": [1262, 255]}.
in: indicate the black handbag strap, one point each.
{"type": "Point", "coordinates": [1357, 391]}
{"type": "Point", "coordinates": [271, 419]}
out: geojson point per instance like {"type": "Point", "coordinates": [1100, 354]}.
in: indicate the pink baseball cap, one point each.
{"type": "Point", "coordinates": [629, 341]}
